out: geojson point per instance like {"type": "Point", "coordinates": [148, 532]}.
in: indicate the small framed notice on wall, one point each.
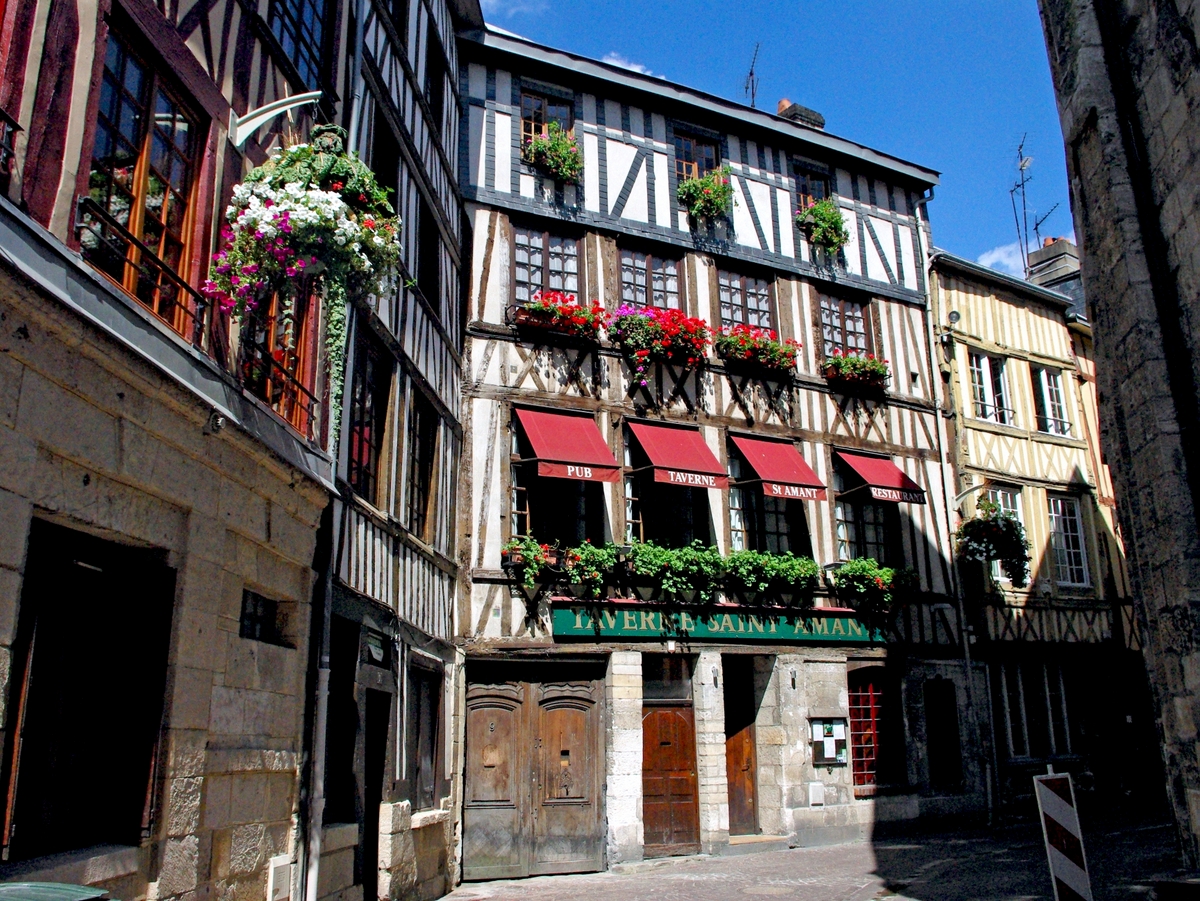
{"type": "Point", "coordinates": [829, 742]}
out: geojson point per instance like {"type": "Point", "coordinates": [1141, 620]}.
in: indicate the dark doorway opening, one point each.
{"type": "Point", "coordinates": [942, 736]}
{"type": "Point", "coordinates": [741, 753]}
{"type": "Point", "coordinates": [87, 693]}
{"type": "Point", "coordinates": [375, 743]}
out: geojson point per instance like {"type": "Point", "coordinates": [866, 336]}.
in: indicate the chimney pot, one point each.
{"type": "Point", "coordinates": [783, 104]}
{"type": "Point", "coordinates": [1046, 242]}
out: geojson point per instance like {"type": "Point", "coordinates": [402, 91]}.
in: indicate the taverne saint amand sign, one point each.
{"type": "Point", "coordinates": [645, 622]}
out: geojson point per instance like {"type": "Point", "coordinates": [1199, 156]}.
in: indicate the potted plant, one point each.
{"type": "Point", "coordinates": [995, 534]}
{"type": "Point", "coordinates": [793, 580]}
{"type": "Point", "coordinates": [311, 217]}
{"type": "Point", "coordinates": [696, 574]}
{"type": "Point", "coordinates": [554, 311]}
{"type": "Point", "coordinates": [747, 345]}
{"type": "Point", "coordinates": [527, 559]}
{"type": "Point", "coordinates": [708, 197]}
{"type": "Point", "coordinates": [589, 568]}
{"type": "Point", "coordinates": [646, 565]}
{"type": "Point", "coordinates": [866, 587]}
{"type": "Point", "coordinates": [861, 371]}
{"type": "Point", "coordinates": [648, 335]}
{"type": "Point", "coordinates": [554, 152]}
{"type": "Point", "coordinates": [824, 226]}
{"type": "Point", "coordinates": [748, 576]}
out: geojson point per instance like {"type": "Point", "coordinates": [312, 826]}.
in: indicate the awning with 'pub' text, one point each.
{"type": "Point", "coordinates": [680, 456]}
{"type": "Point", "coordinates": [886, 481]}
{"type": "Point", "coordinates": [568, 446]}
{"type": "Point", "coordinates": [784, 473]}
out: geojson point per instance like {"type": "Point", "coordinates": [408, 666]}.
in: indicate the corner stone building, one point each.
{"type": "Point", "coordinates": [1127, 78]}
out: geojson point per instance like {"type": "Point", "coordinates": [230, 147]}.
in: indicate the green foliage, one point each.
{"type": "Point", "coordinates": [708, 197]}
{"type": "Point", "coordinates": [995, 534]}
{"type": "Point", "coordinates": [824, 225]}
{"type": "Point", "coordinates": [751, 344]}
{"type": "Point", "coordinates": [589, 565]}
{"type": "Point", "coordinates": [866, 369]}
{"type": "Point", "coordinates": [865, 586]}
{"type": "Point", "coordinates": [757, 572]}
{"type": "Point", "coordinates": [555, 152]}
{"type": "Point", "coordinates": [699, 567]}
{"type": "Point", "coordinates": [527, 557]}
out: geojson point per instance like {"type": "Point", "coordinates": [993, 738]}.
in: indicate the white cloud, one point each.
{"type": "Point", "coordinates": [504, 9]}
{"type": "Point", "coordinates": [617, 59]}
{"type": "Point", "coordinates": [1005, 258]}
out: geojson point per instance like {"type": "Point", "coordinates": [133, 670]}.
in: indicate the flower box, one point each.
{"type": "Point", "coordinates": [708, 197]}
{"type": "Point", "coordinates": [556, 313]}
{"type": "Point", "coordinates": [652, 335]}
{"type": "Point", "coordinates": [748, 347]}
{"type": "Point", "coordinates": [861, 372]}
{"type": "Point", "coordinates": [824, 226]}
{"type": "Point", "coordinates": [556, 153]}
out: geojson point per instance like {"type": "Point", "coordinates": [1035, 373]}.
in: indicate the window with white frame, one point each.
{"type": "Point", "coordinates": [648, 280]}
{"type": "Point", "coordinates": [1033, 703]}
{"type": "Point", "coordinates": [1066, 540]}
{"type": "Point", "coordinates": [1048, 401]}
{"type": "Point", "coordinates": [989, 389]}
{"type": "Point", "coordinates": [543, 261]}
{"type": "Point", "coordinates": [1009, 501]}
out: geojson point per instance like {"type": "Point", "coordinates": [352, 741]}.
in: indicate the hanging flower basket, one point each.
{"type": "Point", "coordinates": [556, 153]}
{"type": "Point", "coordinates": [648, 335]}
{"type": "Point", "coordinates": [823, 225]}
{"type": "Point", "coordinates": [708, 197]}
{"type": "Point", "coordinates": [312, 217]}
{"type": "Point", "coordinates": [995, 534]}
{"type": "Point", "coordinates": [751, 347]}
{"type": "Point", "coordinates": [553, 311]}
{"type": "Point", "coordinates": [861, 371]}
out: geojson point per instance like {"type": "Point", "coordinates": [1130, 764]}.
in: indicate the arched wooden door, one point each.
{"type": "Point", "coordinates": [670, 800]}
{"type": "Point", "coordinates": [533, 801]}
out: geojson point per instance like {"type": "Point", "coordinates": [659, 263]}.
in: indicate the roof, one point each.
{"type": "Point", "coordinates": [467, 13]}
{"type": "Point", "coordinates": [671, 92]}
{"type": "Point", "coordinates": [943, 258]}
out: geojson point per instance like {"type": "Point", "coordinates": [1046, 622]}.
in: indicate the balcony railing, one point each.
{"type": "Point", "coordinates": [1053, 426]}
{"type": "Point", "coordinates": [277, 370]}
{"type": "Point", "coordinates": [114, 250]}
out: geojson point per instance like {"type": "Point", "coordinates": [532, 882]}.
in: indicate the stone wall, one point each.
{"type": "Point", "coordinates": [708, 701]}
{"type": "Point", "coordinates": [623, 763]}
{"type": "Point", "coordinates": [1127, 77]}
{"type": "Point", "coordinates": [93, 437]}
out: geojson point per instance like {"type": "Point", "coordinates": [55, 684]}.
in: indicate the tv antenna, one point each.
{"type": "Point", "coordinates": [751, 87]}
{"type": "Point", "coordinates": [1037, 225]}
{"type": "Point", "coordinates": [1021, 220]}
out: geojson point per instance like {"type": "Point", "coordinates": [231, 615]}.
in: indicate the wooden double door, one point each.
{"type": "Point", "coordinates": [533, 801]}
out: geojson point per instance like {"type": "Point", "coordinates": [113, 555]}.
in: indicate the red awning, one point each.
{"type": "Point", "coordinates": [783, 471]}
{"type": "Point", "coordinates": [568, 446]}
{"type": "Point", "coordinates": [885, 479]}
{"type": "Point", "coordinates": [680, 456]}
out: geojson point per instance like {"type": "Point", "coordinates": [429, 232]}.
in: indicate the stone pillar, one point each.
{"type": "Point", "coordinates": [623, 757]}
{"type": "Point", "coordinates": [770, 747]}
{"type": "Point", "coordinates": [794, 726]}
{"type": "Point", "coordinates": [708, 698]}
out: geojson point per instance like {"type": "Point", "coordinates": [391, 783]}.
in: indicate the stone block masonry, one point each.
{"type": "Point", "coordinates": [623, 764]}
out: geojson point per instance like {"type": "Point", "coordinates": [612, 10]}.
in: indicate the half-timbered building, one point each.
{"type": "Point", "coordinates": [1066, 680]}
{"type": "Point", "coordinates": [606, 731]}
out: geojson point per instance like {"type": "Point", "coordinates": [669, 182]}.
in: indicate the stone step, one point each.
{"type": "Point", "coordinates": [755, 844]}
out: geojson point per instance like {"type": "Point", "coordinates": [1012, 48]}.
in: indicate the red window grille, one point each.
{"type": "Point", "coordinates": [865, 714]}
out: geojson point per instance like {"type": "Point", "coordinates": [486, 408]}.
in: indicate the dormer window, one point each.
{"type": "Point", "coordinates": [539, 110]}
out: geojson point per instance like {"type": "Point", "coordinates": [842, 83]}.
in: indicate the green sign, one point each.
{"type": "Point", "coordinates": [643, 622]}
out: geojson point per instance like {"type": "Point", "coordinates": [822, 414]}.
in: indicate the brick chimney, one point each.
{"type": "Point", "coordinates": [797, 113]}
{"type": "Point", "coordinates": [1054, 261]}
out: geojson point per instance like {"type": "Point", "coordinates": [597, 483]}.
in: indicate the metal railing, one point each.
{"type": "Point", "coordinates": [114, 250]}
{"type": "Point", "coordinates": [8, 133]}
{"type": "Point", "coordinates": [265, 373]}
{"type": "Point", "coordinates": [1054, 426]}
{"type": "Point", "coordinates": [994, 413]}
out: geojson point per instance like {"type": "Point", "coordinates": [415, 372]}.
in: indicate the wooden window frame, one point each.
{"type": "Point", "coordinates": [1008, 499]}
{"type": "Point", "coordinates": [989, 388]}
{"type": "Point", "coordinates": [545, 285]}
{"type": "Point", "coordinates": [530, 124]}
{"type": "Point", "coordinates": [807, 177]}
{"type": "Point", "coordinates": [644, 260]}
{"type": "Point", "coordinates": [743, 282]}
{"type": "Point", "coordinates": [280, 374]}
{"type": "Point", "coordinates": [754, 506]}
{"type": "Point", "coordinates": [423, 441]}
{"type": "Point", "coordinates": [1014, 704]}
{"type": "Point", "coordinates": [308, 57]}
{"type": "Point", "coordinates": [839, 313]}
{"type": "Point", "coordinates": [1050, 401]}
{"type": "Point", "coordinates": [367, 430]}
{"type": "Point", "coordinates": [686, 163]}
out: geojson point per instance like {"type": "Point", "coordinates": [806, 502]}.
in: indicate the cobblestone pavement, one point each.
{"type": "Point", "coordinates": [1006, 864]}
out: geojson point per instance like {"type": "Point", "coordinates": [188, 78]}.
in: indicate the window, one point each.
{"type": "Point", "coordinates": [300, 27]}
{"type": "Point", "coordinates": [810, 186]}
{"type": "Point", "coordinates": [422, 736]}
{"type": "Point", "coordinates": [1033, 705]}
{"type": "Point", "coordinates": [264, 619]}
{"type": "Point", "coordinates": [385, 153]}
{"type": "Point", "coordinates": [1009, 501]}
{"type": "Point", "coordinates": [1048, 401]}
{"type": "Point", "coordinates": [760, 522]}
{"type": "Point", "coordinates": [279, 354]}
{"type": "Point", "coordinates": [435, 76]}
{"type": "Point", "coordinates": [423, 427]}
{"type": "Point", "coordinates": [670, 515]}
{"type": "Point", "coordinates": [399, 10]}
{"type": "Point", "coordinates": [429, 256]}
{"type": "Point", "coordinates": [543, 262]}
{"type": "Point", "coordinates": [988, 389]}
{"type": "Point", "coordinates": [94, 626]}
{"type": "Point", "coordinates": [538, 111]}
{"type": "Point", "coordinates": [863, 531]}
{"type": "Point", "coordinates": [137, 218]}
{"type": "Point", "coordinates": [694, 158]}
{"type": "Point", "coordinates": [1066, 540]}
{"type": "Point", "coordinates": [369, 392]}
{"type": "Point", "coordinates": [566, 512]}
{"type": "Point", "coordinates": [648, 280]}
{"type": "Point", "coordinates": [744, 300]}
{"type": "Point", "coordinates": [844, 326]}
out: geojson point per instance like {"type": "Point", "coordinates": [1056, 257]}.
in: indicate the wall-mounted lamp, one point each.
{"type": "Point", "coordinates": [954, 318]}
{"type": "Point", "coordinates": [716, 679]}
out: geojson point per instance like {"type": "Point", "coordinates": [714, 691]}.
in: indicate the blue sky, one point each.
{"type": "Point", "coordinates": [949, 85]}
